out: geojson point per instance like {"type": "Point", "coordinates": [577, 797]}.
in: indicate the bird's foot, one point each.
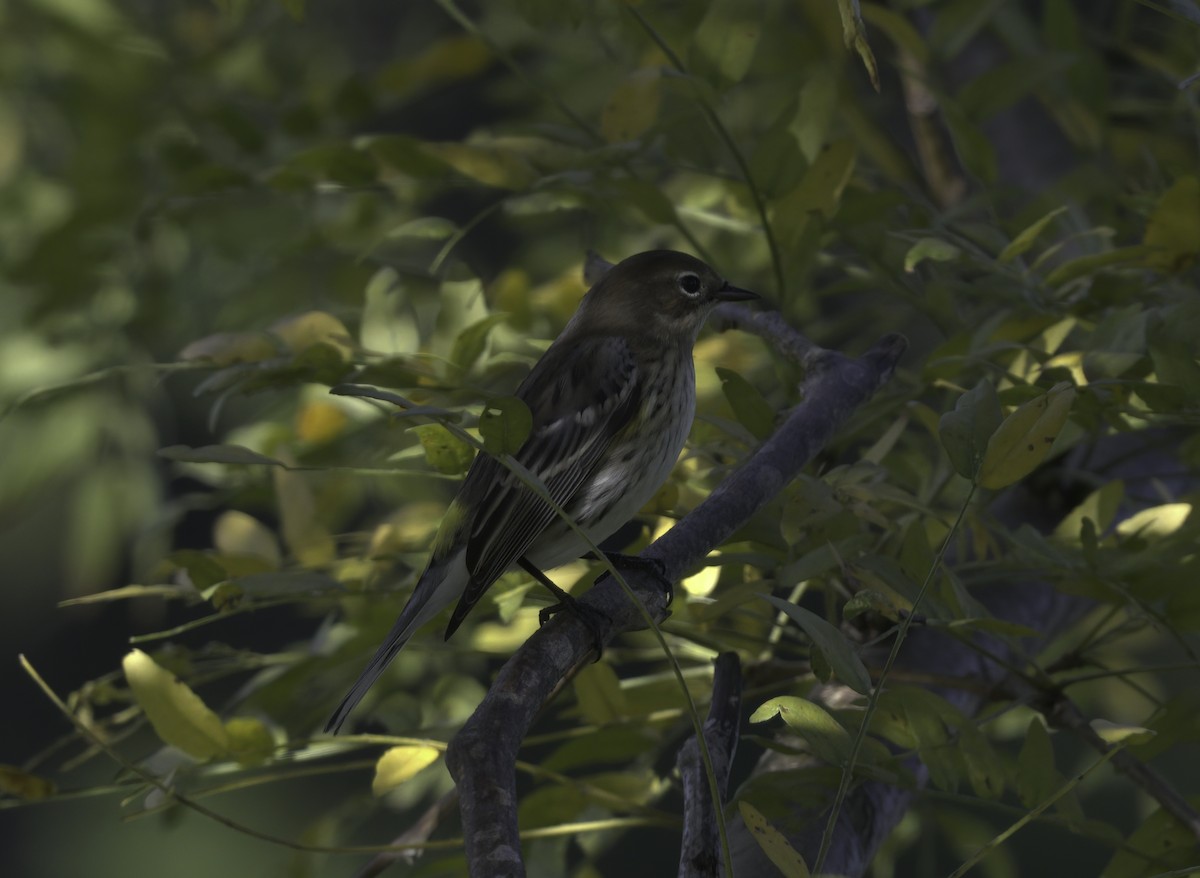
{"type": "Point", "coordinates": [653, 566]}
{"type": "Point", "coordinates": [594, 620]}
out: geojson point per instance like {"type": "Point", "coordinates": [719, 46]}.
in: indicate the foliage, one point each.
{"type": "Point", "coordinates": [213, 214]}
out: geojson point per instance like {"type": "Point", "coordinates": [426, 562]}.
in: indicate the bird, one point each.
{"type": "Point", "coordinates": [612, 402]}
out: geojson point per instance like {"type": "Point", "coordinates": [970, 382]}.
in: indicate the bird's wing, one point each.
{"type": "Point", "coordinates": [582, 395]}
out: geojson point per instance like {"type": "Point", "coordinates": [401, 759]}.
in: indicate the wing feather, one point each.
{"type": "Point", "coordinates": [582, 395]}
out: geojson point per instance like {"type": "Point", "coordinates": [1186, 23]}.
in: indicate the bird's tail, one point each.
{"type": "Point", "coordinates": [438, 586]}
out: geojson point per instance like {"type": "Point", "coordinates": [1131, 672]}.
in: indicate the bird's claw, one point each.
{"type": "Point", "coordinates": [653, 566]}
{"type": "Point", "coordinates": [591, 618]}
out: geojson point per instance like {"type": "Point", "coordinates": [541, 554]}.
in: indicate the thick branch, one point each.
{"type": "Point", "coordinates": [482, 755]}
{"type": "Point", "coordinates": [700, 856]}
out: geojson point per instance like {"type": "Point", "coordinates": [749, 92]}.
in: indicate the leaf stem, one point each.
{"type": "Point", "coordinates": [873, 700]}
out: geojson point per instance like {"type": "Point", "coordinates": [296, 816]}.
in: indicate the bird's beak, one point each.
{"type": "Point", "coordinates": [729, 293]}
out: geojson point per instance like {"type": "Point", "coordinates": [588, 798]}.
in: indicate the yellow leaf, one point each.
{"type": "Point", "coordinates": [306, 537]}
{"type": "Point", "coordinates": [632, 107]}
{"type": "Point", "coordinates": [238, 534]}
{"type": "Point", "coordinates": [319, 421]}
{"type": "Point", "coordinates": [250, 741]}
{"type": "Point", "coordinates": [727, 38]}
{"type": "Point", "coordinates": [1024, 438]}
{"type": "Point", "coordinates": [1117, 733]}
{"type": "Point", "coordinates": [703, 581]}
{"type": "Point", "coordinates": [24, 785]}
{"type": "Point", "coordinates": [486, 162]}
{"type": "Point", "coordinates": [312, 328]}
{"type": "Point", "coordinates": [444, 451]}
{"type": "Point", "coordinates": [1158, 521]}
{"type": "Point", "coordinates": [177, 713]}
{"type": "Point", "coordinates": [773, 842]}
{"type": "Point", "coordinates": [398, 764]}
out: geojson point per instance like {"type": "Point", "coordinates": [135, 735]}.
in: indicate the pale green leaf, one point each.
{"type": "Point", "coordinates": [178, 715]}
{"type": "Point", "coordinates": [598, 693]}
{"type": "Point", "coordinates": [632, 107]}
{"type": "Point", "coordinates": [505, 424]}
{"type": "Point", "coordinates": [966, 430]}
{"type": "Point", "coordinates": [825, 736]}
{"type": "Point", "coordinates": [1027, 236]}
{"type": "Point", "coordinates": [832, 643]}
{"type": "Point", "coordinates": [934, 249]}
{"type": "Point", "coordinates": [1025, 437]}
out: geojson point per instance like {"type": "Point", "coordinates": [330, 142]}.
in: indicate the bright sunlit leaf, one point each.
{"type": "Point", "coordinates": [773, 842]}
{"type": "Point", "coordinates": [179, 716]}
{"type": "Point", "coordinates": [400, 764]}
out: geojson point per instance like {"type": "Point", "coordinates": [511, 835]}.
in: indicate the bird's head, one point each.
{"type": "Point", "coordinates": [660, 293]}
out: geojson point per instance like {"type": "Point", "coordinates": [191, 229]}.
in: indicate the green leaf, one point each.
{"type": "Point", "coordinates": [1037, 778]}
{"type": "Point", "coordinates": [1161, 840]}
{"type": "Point", "coordinates": [966, 430]}
{"type": "Point", "coordinates": [930, 248]}
{"type": "Point", "coordinates": [431, 228]}
{"type": "Point", "coordinates": [832, 643]}
{"type": "Point", "coordinates": [1025, 437]}
{"type": "Point", "coordinates": [295, 8]}
{"type": "Point", "coordinates": [1175, 364]}
{"type": "Point", "coordinates": [985, 769]}
{"type": "Point", "coordinates": [752, 409]}
{"type": "Point", "coordinates": [854, 35]}
{"type": "Point", "coordinates": [1173, 233]}
{"type": "Point", "coordinates": [648, 199]}
{"type": "Point", "coordinates": [471, 342]}
{"type": "Point", "coordinates": [899, 30]}
{"type": "Point", "coordinates": [178, 715]}
{"type": "Point", "coordinates": [203, 570]}
{"type": "Point", "coordinates": [505, 425]}
{"type": "Point", "coordinates": [957, 23]}
{"type": "Point", "coordinates": [867, 601]}
{"type": "Point", "coordinates": [1088, 265]}
{"type": "Point", "coordinates": [444, 451]}
{"type": "Point", "coordinates": [632, 108]}
{"type": "Point", "coordinates": [598, 692]}
{"type": "Point", "coordinates": [773, 843]}
{"type": "Point", "coordinates": [1025, 239]}
{"type": "Point", "coordinates": [725, 42]}
{"type": "Point", "coordinates": [827, 738]}
{"type": "Point", "coordinates": [304, 534]}
{"type": "Point", "coordinates": [400, 764]}
{"type": "Point", "coordinates": [820, 191]}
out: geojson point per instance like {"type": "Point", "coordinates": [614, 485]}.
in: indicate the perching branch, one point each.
{"type": "Point", "coordinates": [482, 756]}
{"type": "Point", "coordinates": [700, 856]}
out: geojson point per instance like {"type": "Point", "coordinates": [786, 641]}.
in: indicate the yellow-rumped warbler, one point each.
{"type": "Point", "coordinates": [612, 401]}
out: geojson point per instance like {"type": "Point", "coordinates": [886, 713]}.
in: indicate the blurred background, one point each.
{"type": "Point", "coordinates": [211, 211]}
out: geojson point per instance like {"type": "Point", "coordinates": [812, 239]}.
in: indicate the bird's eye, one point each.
{"type": "Point", "coordinates": [689, 283]}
